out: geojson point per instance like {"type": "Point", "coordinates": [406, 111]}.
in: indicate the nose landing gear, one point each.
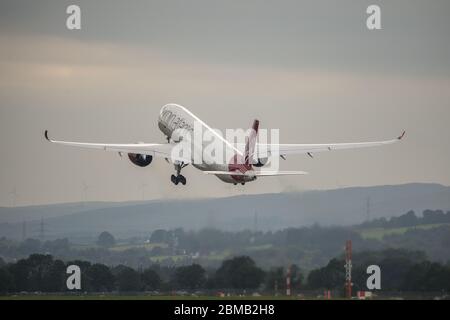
{"type": "Point", "coordinates": [179, 177]}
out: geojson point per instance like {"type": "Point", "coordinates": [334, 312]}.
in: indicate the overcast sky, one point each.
{"type": "Point", "coordinates": [309, 68]}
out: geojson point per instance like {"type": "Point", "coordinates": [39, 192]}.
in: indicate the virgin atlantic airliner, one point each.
{"type": "Point", "coordinates": [243, 157]}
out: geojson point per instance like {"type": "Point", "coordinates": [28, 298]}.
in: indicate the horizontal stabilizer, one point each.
{"type": "Point", "coordinates": [256, 173]}
{"type": "Point", "coordinates": [279, 173]}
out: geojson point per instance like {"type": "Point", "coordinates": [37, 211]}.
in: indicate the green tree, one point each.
{"type": "Point", "coordinates": [128, 279]}
{"type": "Point", "coordinates": [394, 270]}
{"type": "Point", "coordinates": [6, 280]}
{"type": "Point", "coordinates": [106, 240]}
{"type": "Point", "coordinates": [190, 277]}
{"type": "Point", "coordinates": [427, 276]}
{"type": "Point", "coordinates": [151, 280]}
{"type": "Point", "coordinates": [53, 277]}
{"type": "Point", "coordinates": [38, 266]}
{"type": "Point", "coordinates": [100, 278]}
{"type": "Point", "coordinates": [20, 273]}
{"type": "Point", "coordinates": [159, 236]}
{"type": "Point", "coordinates": [32, 274]}
{"type": "Point", "coordinates": [331, 276]}
{"type": "Point", "coordinates": [296, 277]}
{"type": "Point", "coordinates": [239, 273]}
{"type": "Point", "coordinates": [275, 279]}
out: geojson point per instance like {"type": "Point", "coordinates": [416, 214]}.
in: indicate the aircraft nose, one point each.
{"type": "Point", "coordinates": [162, 112]}
{"type": "Point", "coordinates": [163, 108]}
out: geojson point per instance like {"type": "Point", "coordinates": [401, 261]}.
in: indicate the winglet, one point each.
{"type": "Point", "coordinates": [401, 136]}
{"type": "Point", "coordinates": [46, 135]}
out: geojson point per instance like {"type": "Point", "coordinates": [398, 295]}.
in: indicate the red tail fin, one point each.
{"type": "Point", "coordinates": [251, 142]}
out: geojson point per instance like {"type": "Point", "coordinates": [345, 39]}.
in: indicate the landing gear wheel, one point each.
{"type": "Point", "coordinates": [179, 177]}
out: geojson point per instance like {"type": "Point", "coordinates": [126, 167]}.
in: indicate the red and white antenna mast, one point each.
{"type": "Point", "coordinates": [288, 281]}
{"type": "Point", "coordinates": [348, 269]}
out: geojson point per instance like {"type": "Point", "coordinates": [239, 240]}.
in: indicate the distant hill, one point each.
{"type": "Point", "coordinates": [346, 206]}
{"type": "Point", "coordinates": [19, 214]}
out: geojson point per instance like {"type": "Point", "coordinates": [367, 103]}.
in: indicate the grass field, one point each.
{"type": "Point", "coordinates": [148, 246]}
{"type": "Point", "coordinates": [162, 258]}
{"type": "Point", "coordinates": [379, 233]}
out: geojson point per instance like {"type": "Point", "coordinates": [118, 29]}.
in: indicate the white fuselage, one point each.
{"type": "Point", "coordinates": [173, 117]}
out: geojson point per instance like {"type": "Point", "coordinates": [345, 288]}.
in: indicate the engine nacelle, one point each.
{"type": "Point", "coordinates": [141, 160]}
{"type": "Point", "coordinates": [261, 162]}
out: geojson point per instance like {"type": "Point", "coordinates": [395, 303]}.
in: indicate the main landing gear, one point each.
{"type": "Point", "coordinates": [179, 178]}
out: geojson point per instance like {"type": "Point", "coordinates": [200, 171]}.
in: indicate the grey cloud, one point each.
{"type": "Point", "coordinates": [291, 34]}
{"type": "Point", "coordinates": [309, 68]}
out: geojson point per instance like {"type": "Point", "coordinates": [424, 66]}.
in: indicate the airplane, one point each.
{"type": "Point", "coordinates": [240, 169]}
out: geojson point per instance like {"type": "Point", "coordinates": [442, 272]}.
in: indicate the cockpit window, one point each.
{"type": "Point", "coordinates": [170, 119]}
{"type": "Point", "coordinates": [166, 115]}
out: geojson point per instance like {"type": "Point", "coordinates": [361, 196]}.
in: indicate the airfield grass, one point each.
{"type": "Point", "coordinates": [140, 297]}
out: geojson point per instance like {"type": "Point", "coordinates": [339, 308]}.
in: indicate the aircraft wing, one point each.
{"type": "Point", "coordinates": [264, 150]}
{"type": "Point", "coordinates": [256, 173]}
{"type": "Point", "coordinates": [163, 150]}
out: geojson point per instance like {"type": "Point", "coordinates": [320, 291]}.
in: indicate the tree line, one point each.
{"type": "Point", "coordinates": [410, 219]}
{"type": "Point", "coordinates": [43, 273]}
{"type": "Point", "coordinates": [402, 270]}
{"type": "Point", "coordinates": [310, 247]}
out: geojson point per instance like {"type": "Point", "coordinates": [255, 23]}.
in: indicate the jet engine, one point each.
{"type": "Point", "coordinates": [261, 162]}
{"type": "Point", "coordinates": [141, 160]}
